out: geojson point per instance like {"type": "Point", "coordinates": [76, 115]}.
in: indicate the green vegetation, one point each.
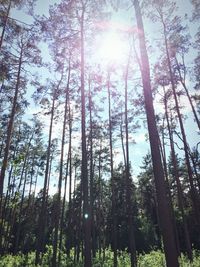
{"type": "Point", "coordinates": [152, 259]}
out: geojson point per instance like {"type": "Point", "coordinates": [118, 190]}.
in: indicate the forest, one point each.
{"type": "Point", "coordinates": [99, 133]}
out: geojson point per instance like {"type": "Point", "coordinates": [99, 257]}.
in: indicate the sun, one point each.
{"type": "Point", "coordinates": [112, 49]}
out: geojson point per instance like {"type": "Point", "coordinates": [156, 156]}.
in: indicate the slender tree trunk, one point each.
{"type": "Point", "coordinates": [67, 107]}
{"type": "Point", "coordinates": [129, 204]}
{"type": "Point", "coordinates": [91, 172]}
{"type": "Point", "coordinates": [122, 139]}
{"type": "Point", "coordinates": [70, 236]}
{"type": "Point", "coordinates": [84, 171]}
{"type": "Point", "coordinates": [42, 217]}
{"type": "Point", "coordinates": [99, 224]}
{"type": "Point", "coordinates": [31, 181]}
{"type": "Point", "coordinates": [70, 157]}
{"type": "Point", "coordinates": [70, 184]}
{"type": "Point", "coordinates": [63, 210]}
{"type": "Point", "coordinates": [114, 232]}
{"type": "Point", "coordinates": [58, 204]}
{"type": "Point", "coordinates": [163, 207]}
{"type": "Point", "coordinates": [35, 183]}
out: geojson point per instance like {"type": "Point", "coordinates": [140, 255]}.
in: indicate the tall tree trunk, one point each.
{"type": "Point", "coordinates": [70, 236]}
{"type": "Point", "coordinates": [129, 204]}
{"type": "Point", "coordinates": [163, 207]}
{"type": "Point", "coordinates": [91, 172]}
{"type": "Point", "coordinates": [84, 171]}
{"type": "Point", "coordinates": [67, 107]}
{"type": "Point", "coordinates": [114, 232]}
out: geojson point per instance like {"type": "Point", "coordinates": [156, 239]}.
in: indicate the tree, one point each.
{"type": "Point", "coordinates": [128, 178]}
{"type": "Point", "coordinates": [166, 30]}
{"type": "Point", "coordinates": [114, 213]}
{"type": "Point", "coordinates": [6, 7]}
{"type": "Point", "coordinates": [27, 53]}
{"type": "Point", "coordinates": [163, 208]}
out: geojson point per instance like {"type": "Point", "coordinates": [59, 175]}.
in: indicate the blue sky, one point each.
{"type": "Point", "coordinates": [140, 149]}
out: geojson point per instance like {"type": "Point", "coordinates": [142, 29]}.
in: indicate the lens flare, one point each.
{"type": "Point", "coordinates": [112, 49]}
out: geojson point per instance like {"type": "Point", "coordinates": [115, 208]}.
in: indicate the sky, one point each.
{"type": "Point", "coordinates": [140, 149]}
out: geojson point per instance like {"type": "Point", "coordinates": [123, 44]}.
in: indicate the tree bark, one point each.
{"type": "Point", "coordinates": [163, 207]}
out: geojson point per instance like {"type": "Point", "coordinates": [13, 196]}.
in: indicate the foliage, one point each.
{"type": "Point", "coordinates": [152, 259]}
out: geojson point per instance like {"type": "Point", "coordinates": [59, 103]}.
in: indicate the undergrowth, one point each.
{"type": "Point", "coordinates": [152, 259]}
